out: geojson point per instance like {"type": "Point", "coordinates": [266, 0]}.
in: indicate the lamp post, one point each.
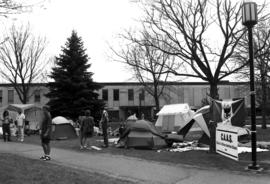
{"type": "Point", "coordinates": [249, 19]}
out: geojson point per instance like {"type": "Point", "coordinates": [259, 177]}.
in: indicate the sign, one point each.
{"type": "Point", "coordinates": [227, 141]}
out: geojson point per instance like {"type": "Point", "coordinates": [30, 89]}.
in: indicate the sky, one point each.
{"type": "Point", "coordinates": [98, 22]}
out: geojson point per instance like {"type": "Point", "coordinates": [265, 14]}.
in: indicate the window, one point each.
{"type": "Point", "coordinates": [1, 96]}
{"type": "Point", "coordinates": [141, 95]}
{"type": "Point", "coordinates": [130, 95]}
{"type": "Point", "coordinates": [10, 96]}
{"type": "Point", "coordinates": [105, 94]}
{"type": "Point", "coordinates": [116, 94]}
{"type": "Point", "coordinates": [37, 96]}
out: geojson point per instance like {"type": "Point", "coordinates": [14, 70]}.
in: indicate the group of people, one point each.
{"type": "Point", "coordinates": [45, 129]}
{"type": "Point", "coordinates": [7, 122]}
{"type": "Point", "coordinates": [87, 123]}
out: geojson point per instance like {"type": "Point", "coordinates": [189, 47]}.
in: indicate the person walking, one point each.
{"type": "Point", "coordinates": [104, 125]}
{"type": "Point", "coordinates": [5, 126]}
{"type": "Point", "coordinates": [45, 133]}
{"type": "Point", "coordinates": [20, 123]}
{"type": "Point", "coordinates": [87, 129]}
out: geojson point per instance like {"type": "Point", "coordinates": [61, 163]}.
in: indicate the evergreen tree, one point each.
{"type": "Point", "coordinates": [73, 89]}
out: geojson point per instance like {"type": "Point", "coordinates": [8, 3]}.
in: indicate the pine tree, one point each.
{"type": "Point", "coordinates": [73, 89]}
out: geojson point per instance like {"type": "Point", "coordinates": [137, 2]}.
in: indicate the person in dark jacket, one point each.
{"type": "Point", "coordinates": [5, 126]}
{"type": "Point", "coordinates": [45, 133]}
{"type": "Point", "coordinates": [87, 128]}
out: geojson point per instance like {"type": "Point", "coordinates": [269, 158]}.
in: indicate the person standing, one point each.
{"type": "Point", "coordinates": [87, 128]}
{"type": "Point", "coordinates": [20, 123]}
{"type": "Point", "coordinates": [45, 133]}
{"type": "Point", "coordinates": [104, 125]}
{"type": "Point", "coordinates": [5, 126]}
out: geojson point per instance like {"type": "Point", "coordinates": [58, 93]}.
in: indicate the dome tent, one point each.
{"type": "Point", "coordinates": [141, 134]}
{"type": "Point", "coordinates": [62, 129]}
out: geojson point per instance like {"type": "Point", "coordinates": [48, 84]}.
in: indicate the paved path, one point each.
{"type": "Point", "coordinates": [134, 169]}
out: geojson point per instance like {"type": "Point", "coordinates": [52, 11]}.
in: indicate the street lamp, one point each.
{"type": "Point", "coordinates": [249, 19]}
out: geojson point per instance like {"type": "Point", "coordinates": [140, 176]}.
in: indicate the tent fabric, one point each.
{"type": "Point", "coordinates": [63, 131]}
{"type": "Point", "coordinates": [172, 117]}
{"type": "Point", "coordinates": [60, 120]}
{"type": "Point", "coordinates": [174, 109]}
{"type": "Point", "coordinates": [232, 115]}
{"type": "Point", "coordinates": [33, 113]}
{"type": "Point", "coordinates": [141, 134]}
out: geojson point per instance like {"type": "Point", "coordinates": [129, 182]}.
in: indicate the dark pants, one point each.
{"type": "Point", "coordinates": [105, 134]}
{"type": "Point", "coordinates": [6, 132]}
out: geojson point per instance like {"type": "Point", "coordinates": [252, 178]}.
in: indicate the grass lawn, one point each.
{"type": "Point", "coordinates": [20, 170]}
{"type": "Point", "coordinates": [202, 159]}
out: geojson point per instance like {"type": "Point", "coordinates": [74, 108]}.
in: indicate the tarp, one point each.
{"type": "Point", "coordinates": [172, 117]}
{"type": "Point", "coordinates": [141, 134]}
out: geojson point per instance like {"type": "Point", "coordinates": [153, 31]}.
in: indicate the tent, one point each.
{"type": "Point", "coordinates": [200, 120]}
{"type": "Point", "coordinates": [141, 134]}
{"type": "Point", "coordinates": [230, 112]}
{"type": "Point", "coordinates": [62, 129]}
{"type": "Point", "coordinates": [33, 113]}
{"type": "Point", "coordinates": [172, 117]}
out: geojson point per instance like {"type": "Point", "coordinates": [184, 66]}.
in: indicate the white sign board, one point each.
{"type": "Point", "coordinates": [227, 141]}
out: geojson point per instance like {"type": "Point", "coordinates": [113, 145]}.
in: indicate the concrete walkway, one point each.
{"type": "Point", "coordinates": [134, 169]}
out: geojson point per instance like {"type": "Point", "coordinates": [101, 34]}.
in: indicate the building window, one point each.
{"type": "Point", "coordinates": [1, 96]}
{"type": "Point", "coordinates": [116, 94]}
{"type": "Point", "coordinates": [105, 94]}
{"type": "Point", "coordinates": [142, 95]}
{"type": "Point", "coordinates": [37, 96]}
{"type": "Point", "coordinates": [130, 95]}
{"type": "Point", "coordinates": [10, 96]}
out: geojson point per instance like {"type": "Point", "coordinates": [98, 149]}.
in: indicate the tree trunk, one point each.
{"type": "Point", "coordinates": [263, 101]}
{"type": "Point", "coordinates": [214, 90]}
{"type": "Point", "coordinates": [213, 95]}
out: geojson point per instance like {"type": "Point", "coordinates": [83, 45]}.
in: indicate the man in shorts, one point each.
{"type": "Point", "coordinates": [45, 133]}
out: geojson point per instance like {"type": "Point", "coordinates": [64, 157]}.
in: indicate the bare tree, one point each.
{"type": "Point", "coordinates": [21, 60]}
{"type": "Point", "coordinates": [191, 27]}
{"type": "Point", "coordinates": [9, 7]}
{"type": "Point", "coordinates": [147, 62]}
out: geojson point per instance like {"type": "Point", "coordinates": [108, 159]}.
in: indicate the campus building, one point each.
{"type": "Point", "coordinates": [126, 98]}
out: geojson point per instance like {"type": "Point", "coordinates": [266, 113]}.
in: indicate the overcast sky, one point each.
{"type": "Point", "coordinates": [98, 22]}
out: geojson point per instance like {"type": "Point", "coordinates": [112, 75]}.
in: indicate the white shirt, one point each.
{"type": "Point", "coordinates": [20, 118]}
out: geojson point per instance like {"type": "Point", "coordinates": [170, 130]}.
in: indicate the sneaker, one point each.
{"type": "Point", "coordinates": [42, 158]}
{"type": "Point", "coordinates": [47, 158]}
{"type": "Point", "coordinates": [81, 147]}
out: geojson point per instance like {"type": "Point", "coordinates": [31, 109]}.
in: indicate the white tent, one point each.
{"type": "Point", "coordinates": [60, 120]}
{"type": "Point", "coordinates": [174, 116]}
{"type": "Point", "coordinates": [33, 113]}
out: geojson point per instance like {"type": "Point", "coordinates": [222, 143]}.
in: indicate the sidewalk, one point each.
{"type": "Point", "coordinates": [133, 169]}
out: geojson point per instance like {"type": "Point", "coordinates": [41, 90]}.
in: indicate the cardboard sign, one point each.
{"type": "Point", "coordinates": [227, 141]}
